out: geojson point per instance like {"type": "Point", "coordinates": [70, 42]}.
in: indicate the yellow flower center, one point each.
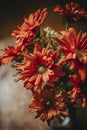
{"type": "Point", "coordinates": [41, 69]}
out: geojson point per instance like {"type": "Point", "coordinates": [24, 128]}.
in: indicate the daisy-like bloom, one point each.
{"type": "Point", "coordinates": [9, 54]}
{"type": "Point", "coordinates": [28, 30]}
{"type": "Point", "coordinates": [74, 46]}
{"type": "Point", "coordinates": [48, 104]}
{"type": "Point", "coordinates": [72, 12]}
{"type": "Point", "coordinates": [39, 67]}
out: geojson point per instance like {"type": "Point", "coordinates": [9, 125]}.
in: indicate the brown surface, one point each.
{"type": "Point", "coordinates": [14, 98]}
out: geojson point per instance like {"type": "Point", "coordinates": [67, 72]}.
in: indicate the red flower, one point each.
{"type": "Point", "coordinates": [39, 67]}
{"type": "Point", "coordinates": [9, 54]}
{"type": "Point", "coordinates": [79, 89]}
{"type": "Point", "coordinates": [75, 48]}
{"type": "Point", "coordinates": [27, 31]}
{"type": "Point", "coordinates": [72, 12]}
{"type": "Point", "coordinates": [48, 104]}
{"type": "Point", "coordinates": [75, 80]}
{"type": "Point", "coordinates": [59, 9]}
{"type": "Point", "coordinates": [76, 94]}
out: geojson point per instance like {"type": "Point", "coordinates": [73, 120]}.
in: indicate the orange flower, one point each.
{"type": "Point", "coordinates": [76, 94]}
{"type": "Point", "coordinates": [75, 48]}
{"type": "Point", "coordinates": [48, 104]}
{"type": "Point", "coordinates": [9, 54]}
{"type": "Point", "coordinates": [59, 9]}
{"type": "Point", "coordinates": [27, 31]}
{"type": "Point", "coordinates": [79, 89]}
{"type": "Point", "coordinates": [39, 67]}
{"type": "Point", "coordinates": [72, 12]}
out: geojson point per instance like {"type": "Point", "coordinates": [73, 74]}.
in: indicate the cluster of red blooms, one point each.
{"type": "Point", "coordinates": [54, 70]}
{"type": "Point", "coordinates": [72, 12]}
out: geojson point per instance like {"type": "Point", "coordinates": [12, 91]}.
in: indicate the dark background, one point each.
{"type": "Point", "coordinates": [14, 98]}
{"type": "Point", "coordinates": [12, 12]}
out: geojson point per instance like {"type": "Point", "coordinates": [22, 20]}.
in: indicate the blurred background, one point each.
{"type": "Point", "coordinates": [14, 98]}
{"type": "Point", "coordinates": [12, 13]}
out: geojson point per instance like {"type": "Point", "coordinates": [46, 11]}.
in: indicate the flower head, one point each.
{"type": "Point", "coordinates": [74, 47]}
{"type": "Point", "coordinates": [39, 67]}
{"type": "Point", "coordinates": [72, 12]}
{"type": "Point", "coordinates": [48, 104]}
{"type": "Point", "coordinates": [28, 30]}
{"type": "Point", "coordinates": [9, 54]}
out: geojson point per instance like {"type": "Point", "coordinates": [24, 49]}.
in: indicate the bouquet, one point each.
{"type": "Point", "coordinates": [53, 65]}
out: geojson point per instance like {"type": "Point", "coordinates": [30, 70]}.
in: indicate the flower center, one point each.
{"type": "Point", "coordinates": [48, 104]}
{"type": "Point", "coordinates": [80, 53]}
{"type": "Point", "coordinates": [41, 69]}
